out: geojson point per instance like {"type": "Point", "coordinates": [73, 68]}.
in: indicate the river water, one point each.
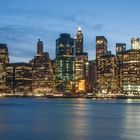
{"type": "Point", "coordinates": [69, 119]}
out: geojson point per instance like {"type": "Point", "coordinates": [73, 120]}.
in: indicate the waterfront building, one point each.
{"type": "Point", "coordinates": [91, 76]}
{"type": "Point", "coordinates": [101, 50]}
{"type": "Point", "coordinates": [130, 72]}
{"type": "Point", "coordinates": [108, 74]}
{"type": "Point", "coordinates": [71, 72]}
{"type": "Point", "coordinates": [81, 73]}
{"type": "Point", "coordinates": [81, 65]}
{"type": "Point", "coordinates": [64, 64]}
{"type": "Point", "coordinates": [80, 61]}
{"type": "Point", "coordinates": [120, 73]}
{"type": "Point", "coordinates": [19, 79]}
{"type": "Point", "coordinates": [4, 59]}
{"type": "Point", "coordinates": [43, 76]}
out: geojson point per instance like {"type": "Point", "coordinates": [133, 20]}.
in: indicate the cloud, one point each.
{"type": "Point", "coordinates": [20, 40]}
{"type": "Point", "coordinates": [98, 27]}
{"type": "Point", "coordinates": [21, 33]}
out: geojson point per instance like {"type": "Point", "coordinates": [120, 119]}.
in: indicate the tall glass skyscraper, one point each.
{"type": "Point", "coordinates": [64, 64]}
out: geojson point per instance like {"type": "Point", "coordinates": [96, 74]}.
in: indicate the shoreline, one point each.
{"type": "Point", "coordinates": [75, 97]}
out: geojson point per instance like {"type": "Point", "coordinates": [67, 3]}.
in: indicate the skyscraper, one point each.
{"type": "Point", "coordinates": [101, 46]}
{"type": "Point", "coordinates": [108, 74]}
{"type": "Point", "coordinates": [64, 64]}
{"type": "Point", "coordinates": [81, 64]}
{"type": "Point", "coordinates": [39, 47]}
{"type": "Point", "coordinates": [101, 50]}
{"type": "Point", "coordinates": [81, 72]}
{"type": "Point", "coordinates": [130, 72]}
{"type": "Point", "coordinates": [120, 47]}
{"type": "Point", "coordinates": [79, 42]}
{"type": "Point", "coordinates": [64, 45]}
{"type": "Point", "coordinates": [135, 43]}
{"type": "Point", "coordinates": [42, 72]}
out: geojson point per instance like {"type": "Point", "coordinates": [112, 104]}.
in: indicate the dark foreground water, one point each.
{"type": "Point", "coordinates": [69, 119]}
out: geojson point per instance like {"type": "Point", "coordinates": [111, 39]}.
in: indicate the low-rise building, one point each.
{"type": "Point", "coordinates": [19, 79]}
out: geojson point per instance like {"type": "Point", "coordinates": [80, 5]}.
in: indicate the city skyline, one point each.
{"type": "Point", "coordinates": [69, 69]}
{"type": "Point", "coordinates": [21, 25]}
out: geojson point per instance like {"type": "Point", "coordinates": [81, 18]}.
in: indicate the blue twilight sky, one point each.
{"type": "Point", "coordinates": [22, 22]}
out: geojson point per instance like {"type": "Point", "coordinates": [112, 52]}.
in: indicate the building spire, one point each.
{"type": "Point", "coordinates": [79, 28]}
{"type": "Point", "coordinates": [79, 41]}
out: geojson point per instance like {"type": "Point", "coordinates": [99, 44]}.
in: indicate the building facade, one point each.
{"type": "Point", "coordinates": [64, 64]}
{"type": "Point", "coordinates": [81, 73]}
{"type": "Point", "coordinates": [19, 79]}
{"type": "Point", "coordinates": [135, 43]}
{"type": "Point", "coordinates": [4, 59]}
{"type": "Point", "coordinates": [119, 74]}
{"type": "Point", "coordinates": [79, 42]}
{"type": "Point", "coordinates": [101, 50]}
{"type": "Point", "coordinates": [101, 46]}
{"type": "Point", "coordinates": [130, 72]}
{"type": "Point", "coordinates": [108, 75]}
{"type": "Point", "coordinates": [120, 47]}
{"type": "Point", "coordinates": [39, 47]}
{"type": "Point", "coordinates": [43, 76]}
{"type": "Point", "coordinates": [81, 64]}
